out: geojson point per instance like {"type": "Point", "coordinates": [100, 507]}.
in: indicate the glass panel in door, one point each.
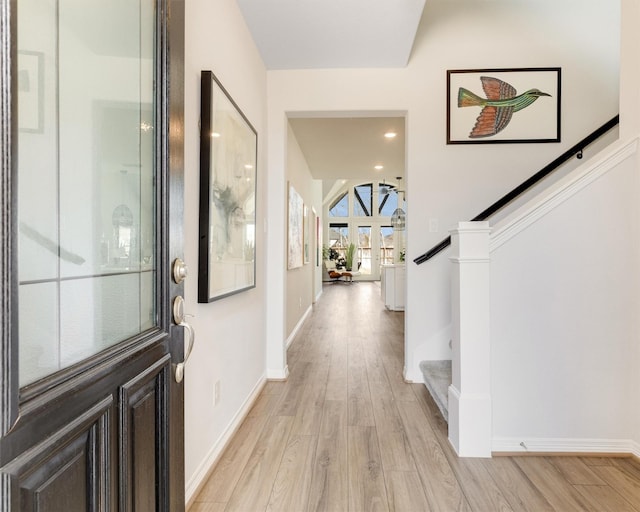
{"type": "Point", "coordinates": [338, 241]}
{"type": "Point", "coordinates": [86, 174]}
{"type": "Point", "coordinates": [386, 245]}
{"type": "Point", "coordinates": [364, 250]}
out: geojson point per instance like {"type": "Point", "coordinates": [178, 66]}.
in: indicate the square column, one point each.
{"type": "Point", "coordinates": [470, 430]}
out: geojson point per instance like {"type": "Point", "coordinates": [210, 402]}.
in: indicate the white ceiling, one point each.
{"type": "Point", "coordinates": [301, 34]}
{"type": "Point", "coordinates": [350, 148]}
{"type": "Point", "coordinates": [305, 34]}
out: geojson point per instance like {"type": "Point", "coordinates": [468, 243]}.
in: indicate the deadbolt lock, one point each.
{"type": "Point", "coordinates": [180, 270]}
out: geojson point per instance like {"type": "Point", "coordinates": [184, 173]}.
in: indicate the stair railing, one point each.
{"type": "Point", "coordinates": [575, 150]}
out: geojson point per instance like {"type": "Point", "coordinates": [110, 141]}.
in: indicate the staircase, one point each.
{"type": "Point", "coordinates": [437, 378]}
{"type": "Point", "coordinates": [437, 374]}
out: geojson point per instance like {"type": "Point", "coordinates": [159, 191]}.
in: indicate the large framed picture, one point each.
{"type": "Point", "coordinates": [228, 160]}
{"type": "Point", "coordinates": [486, 106]}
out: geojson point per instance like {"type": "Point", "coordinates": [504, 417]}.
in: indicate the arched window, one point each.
{"type": "Point", "coordinates": [387, 200]}
{"type": "Point", "coordinates": [340, 207]}
{"type": "Point", "coordinates": [361, 213]}
{"type": "Point", "coordinates": [363, 200]}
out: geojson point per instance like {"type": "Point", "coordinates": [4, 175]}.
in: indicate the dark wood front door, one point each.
{"type": "Point", "coordinates": [91, 124]}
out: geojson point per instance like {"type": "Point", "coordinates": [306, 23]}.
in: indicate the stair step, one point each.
{"type": "Point", "coordinates": [437, 379]}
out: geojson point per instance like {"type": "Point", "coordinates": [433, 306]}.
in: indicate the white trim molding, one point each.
{"type": "Point", "coordinates": [470, 423]}
{"type": "Point", "coordinates": [412, 376]}
{"type": "Point", "coordinates": [278, 375]}
{"type": "Point", "coordinates": [470, 413]}
{"type": "Point", "coordinates": [548, 201]}
{"type": "Point", "coordinates": [298, 326]}
{"type": "Point", "coordinates": [560, 445]}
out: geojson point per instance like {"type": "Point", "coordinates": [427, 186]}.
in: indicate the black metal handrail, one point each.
{"type": "Point", "coordinates": [576, 150]}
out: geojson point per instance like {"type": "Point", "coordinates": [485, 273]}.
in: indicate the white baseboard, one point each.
{"type": "Point", "coordinates": [550, 445]}
{"type": "Point", "coordinates": [195, 483]}
{"type": "Point", "coordinates": [298, 326]}
{"type": "Point", "coordinates": [412, 376]}
{"type": "Point", "coordinates": [278, 374]}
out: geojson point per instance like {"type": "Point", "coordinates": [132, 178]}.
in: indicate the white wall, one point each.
{"type": "Point", "coordinates": [630, 69]}
{"type": "Point", "coordinates": [452, 183]}
{"type": "Point", "coordinates": [630, 120]}
{"type": "Point", "coordinates": [564, 320]}
{"type": "Point", "coordinates": [564, 300]}
{"type": "Point", "coordinates": [301, 281]}
{"type": "Point", "coordinates": [230, 333]}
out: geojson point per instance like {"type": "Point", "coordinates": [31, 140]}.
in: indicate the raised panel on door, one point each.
{"type": "Point", "coordinates": [70, 470]}
{"type": "Point", "coordinates": [143, 408]}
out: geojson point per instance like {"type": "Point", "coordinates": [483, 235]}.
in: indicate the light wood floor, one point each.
{"type": "Point", "coordinates": [345, 433]}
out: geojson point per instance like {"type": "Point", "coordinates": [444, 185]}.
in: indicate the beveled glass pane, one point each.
{"type": "Point", "coordinates": [37, 140]}
{"type": "Point", "coordinates": [96, 313]}
{"type": "Point", "coordinates": [39, 346]}
{"type": "Point", "coordinates": [147, 300]}
{"type": "Point", "coordinates": [86, 144]}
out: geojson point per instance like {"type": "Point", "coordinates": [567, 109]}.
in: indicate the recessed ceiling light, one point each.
{"type": "Point", "coordinates": [248, 166]}
{"type": "Point", "coordinates": [379, 167]}
{"type": "Point", "coordinates": [390, 135]}
{"type": "Point", "coordinates": [215, 135]}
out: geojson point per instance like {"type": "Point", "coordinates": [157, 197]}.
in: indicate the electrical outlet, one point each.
{"type": "Point", "coordinates": [216, 393]}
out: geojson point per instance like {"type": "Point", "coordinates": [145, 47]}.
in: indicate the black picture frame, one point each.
{"type": "Point", "coordinates": [228, 185]}
{"type": "Point", "coordinates": [504, 105]}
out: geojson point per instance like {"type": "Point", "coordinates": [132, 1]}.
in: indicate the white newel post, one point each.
{"type": "Point", "coordinates": [470, 391]}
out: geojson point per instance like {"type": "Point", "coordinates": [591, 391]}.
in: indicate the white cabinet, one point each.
{"type": "Point", "coordinates": [392, 284]}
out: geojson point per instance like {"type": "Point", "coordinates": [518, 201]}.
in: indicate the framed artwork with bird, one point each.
{"type": "Point", "coordinates": [508, 105]}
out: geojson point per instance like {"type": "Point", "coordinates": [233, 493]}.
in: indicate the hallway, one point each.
{"type": "Point", "coordinates": [346, 433]}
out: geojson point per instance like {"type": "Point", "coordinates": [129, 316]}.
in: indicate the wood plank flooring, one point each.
{"type": "Point", "coordinates": [345, 433]}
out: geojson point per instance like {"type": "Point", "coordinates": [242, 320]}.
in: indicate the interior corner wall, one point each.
{"type": "Point", "coordinates": [449, 183]}
{"type": "Point", "coordinates": [230, 333]}
{"type": "Point", "coordinates": [630, 71]}
{"type": "Point", "coordinates": [630, 126]}
{"type": "Point", "coordinates": [301, 281]}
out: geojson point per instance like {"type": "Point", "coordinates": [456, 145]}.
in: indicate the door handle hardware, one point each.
{"type": "Point", "coordinates": [179, 319]}
{"type": "Point", "coordinates": [192, 339]}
